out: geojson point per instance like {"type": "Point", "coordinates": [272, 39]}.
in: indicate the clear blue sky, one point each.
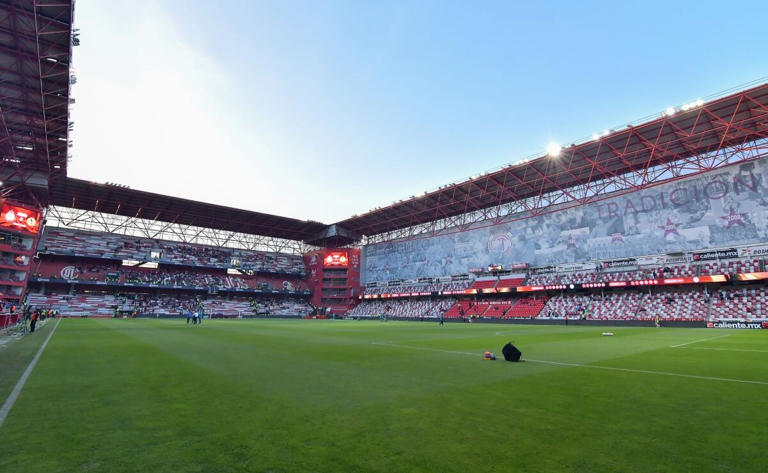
{"type": "Point", "coordinates": [320, 110]}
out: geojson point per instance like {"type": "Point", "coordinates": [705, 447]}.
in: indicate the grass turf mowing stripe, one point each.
{"type": "Point", "coordinates": [581, 365]}
{"type": "Point", "coordinates": [425, 348]}
{"type": "Point", "coordinates": [20, 385]}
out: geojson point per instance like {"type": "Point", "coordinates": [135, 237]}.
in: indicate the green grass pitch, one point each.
{"type": "Point", "coordinates": [328, 396]}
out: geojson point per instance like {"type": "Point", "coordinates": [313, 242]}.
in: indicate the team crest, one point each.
{"type": "Point", "coordinates": [69, 272]}
{"type": "Point", "coordinates": [500, 243]}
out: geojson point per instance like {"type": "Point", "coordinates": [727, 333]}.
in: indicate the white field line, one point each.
{"type": "Point", "coordinates": [726, 349]}
{"type": "Point", "coordinates": [580, 365]}
{"type": "Point", "coordinates": [662, 373]}
{"type": "Point", "coordinates": [699, 340]}
{"type": "Point", "coordinates": [20, 385]}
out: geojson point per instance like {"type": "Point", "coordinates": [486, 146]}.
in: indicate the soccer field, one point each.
{"type": "Point", "coordinates": [276, 396]}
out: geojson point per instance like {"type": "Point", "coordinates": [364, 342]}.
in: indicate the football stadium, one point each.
{"type": "Point", "coordinates": [597, 307]}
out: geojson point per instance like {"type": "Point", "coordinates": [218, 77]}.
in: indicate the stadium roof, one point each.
{"type": "Point", "coordinates": [733, 120]}
{"type": "Point", "coordinates": [118, 200]}
{"type": "Point", "coordinates": [699, 129]}
{"type": "Point", "coordinates": [35, 45]}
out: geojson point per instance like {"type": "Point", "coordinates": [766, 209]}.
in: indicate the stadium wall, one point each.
{"type": "Point", "coordinates": [725, 207]}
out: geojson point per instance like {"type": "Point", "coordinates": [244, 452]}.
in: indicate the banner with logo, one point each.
{"type": "Point", "coordinates": [576, 267]}
{"type": "Point", "coordinates": [753, 251]}
{"type": "Point", "coordinates": [676, 259]}
{"type": "Point", "coordinates": [716, 254]}
{"type": "Point", "coordinates": [737, 324]}
{"type": "Point", "coordinates": [620, 263]}
{"type": "Point", "coordinates": [650, 260]}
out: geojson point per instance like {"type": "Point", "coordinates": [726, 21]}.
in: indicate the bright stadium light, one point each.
{"type": "Point", "coordinates": [690, 105]}
{"type": "Point", "coordinates": [553, 149]}
{"type": "Point", "coordinates": [595, 136]}
{"type": "Point", "coordinates": [670, 111]}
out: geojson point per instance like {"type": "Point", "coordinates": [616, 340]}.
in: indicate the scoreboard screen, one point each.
{"type": "Point", "coordinates": [19, 218]}
{"type": "Point", "coordinates": [336, 258]}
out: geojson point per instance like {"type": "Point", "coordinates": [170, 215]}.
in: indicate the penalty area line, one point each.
{"type": "Point", "coordinates": [581, 365]}
{"type": "Point", "coordinates": [662, 373]}
{"type": "Point", "coordinates": [699, 340]}
{"type": "Point", "coordinates": [11, 400]}
{"type": "Point", "coordinates": [727, 349]}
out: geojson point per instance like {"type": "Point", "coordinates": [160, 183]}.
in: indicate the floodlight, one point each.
{"type": "Point", "coordinates": [553, 149]}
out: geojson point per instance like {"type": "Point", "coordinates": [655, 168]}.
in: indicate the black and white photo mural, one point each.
{"type": "Point", "coordinates": [721, 208]}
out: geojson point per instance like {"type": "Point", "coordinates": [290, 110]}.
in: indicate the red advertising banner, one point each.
{"type": "Point", "coordinates": [752, 276]}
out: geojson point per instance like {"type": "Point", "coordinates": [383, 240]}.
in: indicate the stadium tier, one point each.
{"type": "Point", "coordinates": [94, 304]}
{"type": "Point", "coordinates": [406, 308]}
{"type": "Point", "coordinates": [415, 287]}
{"type": "Point", "coordinates": [76, 269]}
{"type": "Point", "coordinates": [689, 290]}
{"type": "Point", "coordinates": [598, 275]}
{"type": "Point", "coordinates": [681, 304]}
{"type": "Point", "coordinates": [113, 274]}
{"type": "Point", "coordinates": [742, 303]}
{"type": "Point", "coordinates": [677, 305]}
{"type": "Point", "coordinates": [58, 241]}
{"type": "Point", "coordinates": [484, 283]}
{"type": "Point", "coordinates": [510, 282]}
